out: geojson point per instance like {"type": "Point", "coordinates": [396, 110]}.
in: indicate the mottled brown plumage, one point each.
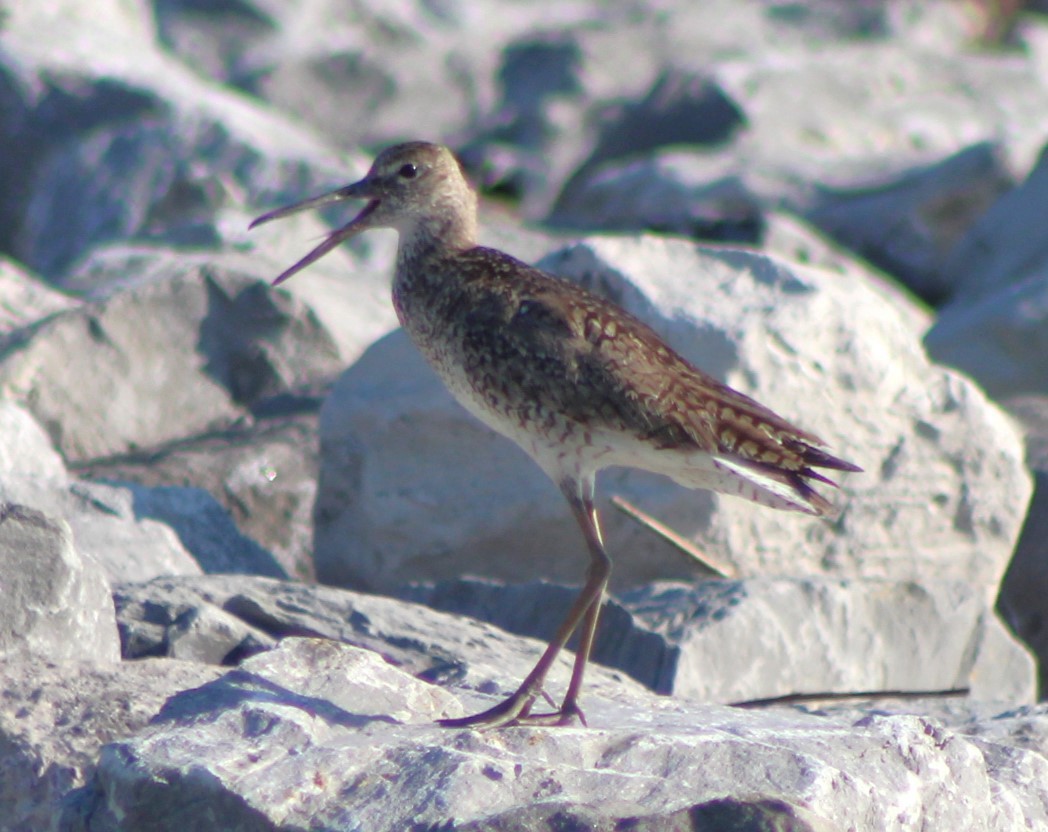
{"type": "Point", "coordinates": [577, 382]}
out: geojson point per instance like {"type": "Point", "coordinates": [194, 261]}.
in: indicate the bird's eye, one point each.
{"type": "Point", "coordinates": [408, 171]}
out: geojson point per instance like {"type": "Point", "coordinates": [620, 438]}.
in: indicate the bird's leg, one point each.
{"type": "Point", "coordinates": [516, 709]}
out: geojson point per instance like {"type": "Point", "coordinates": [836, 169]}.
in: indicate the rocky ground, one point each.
{"type": "Point", "coordinates": [251, 550]}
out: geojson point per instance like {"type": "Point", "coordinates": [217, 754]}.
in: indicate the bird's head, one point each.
{"type": "Point", "coordinates": [413, 187]}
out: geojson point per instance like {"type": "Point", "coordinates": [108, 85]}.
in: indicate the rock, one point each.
{"type": "Point", "coordinates": [411, 488]}
{"type": "Point", "coordinates": [107, 528]}
{"type": "Point", "coordinates": [696, 193]}
{"type": "Point", "coordinates": [1005, 246]}
{"type": "Point", "coordinates": [25, 299]}
{"type": "Point", "coordinates": [347, 291]}
{"type": "Point", "coordinates": [109, 137]}
{"type": "Point", "coordinates": [25, 448]}
{"type": "Point", "coordinates": [57, 604]}
{"type": "Point", "coordinates": [790, 636]}
{"type": "Point", "coordinates": [790, 238]}
{"type": "Point", "coordinates": [218, 343]}
{"type": "Point", "coordinates": [350, 739]}
{"type": "Point", "coordinates": [805, 636]}
{"type": "Point", "coordinates": [55, 718]}
{"type": "Point", "coordinates": [263, 474]}
{"type": "Point", "coordinates": [999, 340]}
{"type": "Point", "coordinates": [205, 529]}
{"type": "Point", "coordinates": [909, 225]}
{"type": "Point", "coordinates": [905, 223]}
{"type": "Point", "coordinates": [1025, 584]}
{"type": "Point", "coordinates": [430, 644]}
{"type": "Point", "coordinates": [102, 518]}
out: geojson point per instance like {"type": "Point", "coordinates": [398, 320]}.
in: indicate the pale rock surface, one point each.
{"type": "Point", "coordinates": [910, 224]}
{"type": "Point", "coordinates": [205, 529]}
{"type": "Point", "coordinates": [110, 137]}
{"type": "Point", "coordinates": [24, 299]}
{"type": "Point", "coordinates": [806, 636]}
{"type": "Point", "coordinates": [218, 342]}
{"type": "Point", "coordinates": [412, 488]}
{"type": "Point", "coordinates": [787, 636]}
{"type": "Point", "coordinates": [105, 526]}
{"type": "Point", "coordinates": [263, 474]}
{"type": "Point", "coordinates": [994, 330]}
{"type": "Point", "coordinates": [318, 734]}
{"type": "Point", "coordinates": [26, 451]}
{"type": "Point", "coordinates": [906, 225]}
{"type": "Point", "coordinates": [234, 616]}
{"type": "Point", "coordinates": [347, 291]}
{"type": "Point", "coordinates": [55, 718]}
{"type": "Point", "coordinates": [57, 604]}
{"type": "Point", "coordinates": [793, 239]}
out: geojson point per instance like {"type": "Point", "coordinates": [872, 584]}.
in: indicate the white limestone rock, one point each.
{"type": "Point", "coordinates": [808, 636]}
{"type": "Point", "coordinates": [412, 488]}
{"type": "Point", "coordinates": [56, 716]}
{"type": "Point", "coordinates": [427, 643]}
{"type": "Point", "coordinates": [217, 343]}
{"type": "Point", "coordinates": [24, 299]}
{"type": "Point", "coordinates": [26, 451]}
{"type": "Point", "coordinates": [263, 475]}
{"type": "Point", "coordinates": [57, 604]}
{"type": "Point", "coordinates": [788, 636]}
{"type": "Point", "coordinates": [322, 734]}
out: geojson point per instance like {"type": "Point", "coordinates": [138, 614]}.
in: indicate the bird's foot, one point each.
{"type": "Point", "coordinates": [567, 714]}
{"type": "Point", "coordinates": [507, 712]}
{"type": "Point", "coordinates": [516, 710]}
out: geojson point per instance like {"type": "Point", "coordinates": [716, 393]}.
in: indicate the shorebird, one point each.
{"type": "Point", "coordinates": [579, 383]}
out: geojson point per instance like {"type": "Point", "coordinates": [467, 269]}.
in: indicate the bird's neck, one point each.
{"type": "Point", "coordinates": [430, 240]}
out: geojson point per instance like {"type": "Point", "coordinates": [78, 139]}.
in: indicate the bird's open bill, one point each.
{"type": "Point", "coordinates": [358, 190]}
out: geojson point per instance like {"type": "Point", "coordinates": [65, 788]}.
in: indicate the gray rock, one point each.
{"type": "Point", "coordinates": [57, 604]}
{"type": "Point", "coordinates": [411, 488]}
{"type": "Point", "coordinates": [909, 225]}
{"type": "Point", "coordinates": [1025, 585]}
{"type": "Point", "coordinates": [807, 636]}
{"type": "Point", "coordinates": [905, 223]}
{"type": "Point", "coordinates": [143, 148]}
{"type": "Point", "coordinates": [789, 636]}
{"type": "Point", "coordinates": [105, 527]}
{"type": "Point", "coordinates": [25, 299]}
{"type": "Point", "coordinates": [55, 718]}
{"type": "Point", "coordinates": [1000, 340]}
{"type": "Point", "coordinates": [536, 609]}
{"type": "Point", "coordinates": [696, 193]}
{"type": "Point", "coordinates": [26, 451]}
{"type": "Point", "coordinates": [225, 343]}
{"type": "Point", "coordinates": [205, 529]}
{"type": "Point", "coordinates": [1005, 246]}
{"type": "Point", "coordinates": [427, 643]}
{"type": "Point", "coordinates": [263, 474]}
{"type": "Point", "coordinates": [350, 738]}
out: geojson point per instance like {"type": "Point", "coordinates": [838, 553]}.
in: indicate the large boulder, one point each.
{"type": "Point", "coordinates": [412, 488]}
{"type": "Point", "coordinates": [185, 352]}
{"type": "Point", "coordinates": [791, 636]}
{"type": "Point", "coordinates": [56, 716]}
{"type": "Point", "coordinates": [57, 604]}
{"type": "Point", "coordinates": [321, 734]}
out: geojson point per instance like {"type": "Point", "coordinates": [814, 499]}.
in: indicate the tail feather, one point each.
{"type": "Point", "coordinates": [781, 487]}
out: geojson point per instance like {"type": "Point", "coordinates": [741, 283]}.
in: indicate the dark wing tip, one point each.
{"type": "Point", "coordinates": [818, 458]}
